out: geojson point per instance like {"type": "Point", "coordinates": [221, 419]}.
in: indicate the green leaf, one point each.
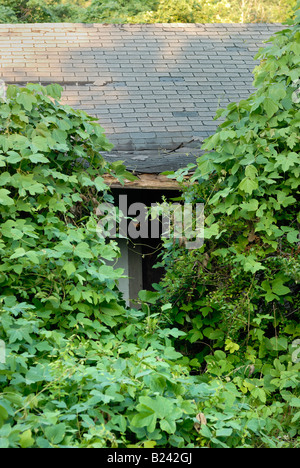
{"type": "Point", "coordinates": [40, 143]}
{"type": "Point", "coordinates": [100, 184]}
{"type": "Point", "coordinates": [149, 296]}
{"type": "Point", "coordinates": [168, 425]}
{"type": "Point", "coordinates": [277, 91]}
{"type": "Point", "coordinates": [224, 432]}
{"type": "Point", "coordinates": [26, 439]}
{"type": "Point", "coordinates": [295, 402]}
{"type": "Point", "coordinates": [293, 236]}
{"type": "Point", "coordinates": [20, 252]}
{"type": "Point", "coordinates": [250, 206]}
{"type": "Point", "coordinates": [26, 100]}
{"type": "Point", "coordinates": [287, 160]}
{"type": "Point", "coordinates": [211, 142]}
{"type": "Point", "coordinates": [248, 185]}
{"type": "Point", "coordinates": [279, 343]}
{"type": "Point", "coordinates": [251, 171]}
{"type": "Point", "coordinates": [279, 288]}
{"type": "Point", "coordinates": [211, 231]}
{"type": "Point", "coordinates": [55, 434]}
{"type": "Point", "coordinates": [159, 405]}
{"type": "Point", "coordinates": [205, 431]}
{"type": "Point", "coordinates": [38, 158]}
{"type": "Point", "coordinates": [171, 354]}
{"type": "Point", "coordinates": [39, 373]}
{"type": "Point", "coordinates": [70, 268]}
{"type": "Point", "coordinates": [260, 394]}
{"type": "Point", "coordinates": [5, 199]}
{"type": "Point", "coordinates": [270, 107]}
{"type": "Point", "coordinates": [83, 250]}
{"type": "Point", "coordinates": [13, 157]}
{"type": "Point", "coordinates": [17, 142]}
{"type": "Point", "coordinates": [54, 91]}
{"type": "Point", "coordinates": [145, 420]}
{"type": "Point", "coordinates": [3, 414]}
{"type": "Point", "coordinates": [4, 178]}
{"type": "Point", "coordinates": [231, 346]}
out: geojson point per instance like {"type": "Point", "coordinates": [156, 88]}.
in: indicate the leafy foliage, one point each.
{"type": "Point", "coordinates": [115, 11]}
{"type": "Point", "coordinates": [149, 11]}
{"type": "Point", "coordinates": [237, 298]}
{"type": "Point", "coordinates": [48, 228]}
{"type": "Point", "coordinates": [37, 11]}
{"type": "Point", "coordinates": [75, 371]}
{"type": "Point", "coordinates": [212, 358]}
{"type": "Point", "coordinates": [248, 179]}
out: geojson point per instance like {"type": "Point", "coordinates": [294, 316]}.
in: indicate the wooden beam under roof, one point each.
{"type": "Point", "coordinates": [145, 181]}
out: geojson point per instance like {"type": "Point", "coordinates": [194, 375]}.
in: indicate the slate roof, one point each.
{"type": "Point", "coordinates": [155, 88]}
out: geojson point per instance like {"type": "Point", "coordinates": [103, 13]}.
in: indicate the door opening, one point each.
{"type": "Point", "coordinates": [139, 255]}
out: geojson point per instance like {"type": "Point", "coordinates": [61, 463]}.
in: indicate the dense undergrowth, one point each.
{"type": "Point", "coordinates": [145, 11]}
{"type": "Point", "coordinates": [212, 358]}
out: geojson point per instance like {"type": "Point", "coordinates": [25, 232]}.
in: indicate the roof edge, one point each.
{"type": "Point", "coordinates": [132, 25]}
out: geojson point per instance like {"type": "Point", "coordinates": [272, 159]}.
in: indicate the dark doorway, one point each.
{"type": "Point", "coordinates": [150, 248]}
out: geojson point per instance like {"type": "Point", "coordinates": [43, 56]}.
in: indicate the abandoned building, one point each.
{"type": "Point", "coordinates": [155, 89]}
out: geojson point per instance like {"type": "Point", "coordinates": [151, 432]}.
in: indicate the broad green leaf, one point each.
{"type": "Point", "coordinates": [295, 402]}
{"type": "Point", "coordinates": [17, 142]}
{"type": "Point", "coordinates": [287, 160]}
{"type": "Point", "coordinates": [60, 135]}
{"type": "Point", "coordinates": [38, 158]}
{"type": "Point", "coordinates": [100, 184]}
{"type": "Point", "coordinates": [83, 250]}
{"type": "Point", "coordinates": [26, 439]}
{"type": "Point", "coordinates": [248, 185]}
{"type": "Point", "coordinates": [4, 178]}
{"type": "Point", "coordinates": [231, 346]}
{"type": "Point", "coordinates": [211, 231]}
{"type": "Point", "coordinates": [54, 90]}
{"type": "Point", "coordinates": [293, 236]}
{"type": "Point", "coordinates": [13, 157]}
{"type": "Point", "coordinates": [5, 199]}
{"type": "Point", "coordinates": [212, 142]}
{"type": "Point", "coordinates": [70, 268]}
{"type": "Point", "coordinates": [270, 107]}
{"type": "Point", "coordinates": [148, 296]}
{"type": "Point", "coordinates": [279, 343]}
{"type": "Point", "coordinates": [20, 252]}
{"type": "Point", "coordinates": [162, 407]}
{"type": "Point", "coordinates": [224, 432]}
{"type": "Point", "coordinates": [168, 425]}
{"type": "Point", "coordinates": [277, 92]}
{"type": "Point", "coordinates": [112, 309]}
{"type": "Point", "coordinates": [145, 420]}
{"type": "Point", "coordinates": [252, 205]}
{"type": "Point", "coordinates": [56, 434]}
{"type": "Point", "coordinates": [40, 143]}
{"type": "Point", "coordinates": [26, 100]}
{"type": "Point", "coordinates": [170, 353]}
{"type": "Point", "coordinates": [251, 171]}
{"type": "Point", "coordinates": [279, 288]}
{"type": "Point", "coordinates": [3, 414]}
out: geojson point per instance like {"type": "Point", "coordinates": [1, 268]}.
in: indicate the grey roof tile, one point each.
{"type": "Point", "coordinates": [153, 87]}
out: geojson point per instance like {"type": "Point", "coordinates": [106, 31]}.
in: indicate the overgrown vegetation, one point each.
{"type": "Point", "coordinates": [149, 11]}
{"type": "Point", "coordinates": [212, 359]}
{"type": "Point", "coordinates": [237, 299]}
{"type": "Point", "coordinates": [75, 366]}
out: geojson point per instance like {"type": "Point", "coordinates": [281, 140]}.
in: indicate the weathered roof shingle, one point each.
{"type": "Point", "coordinates": [153, 87]}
